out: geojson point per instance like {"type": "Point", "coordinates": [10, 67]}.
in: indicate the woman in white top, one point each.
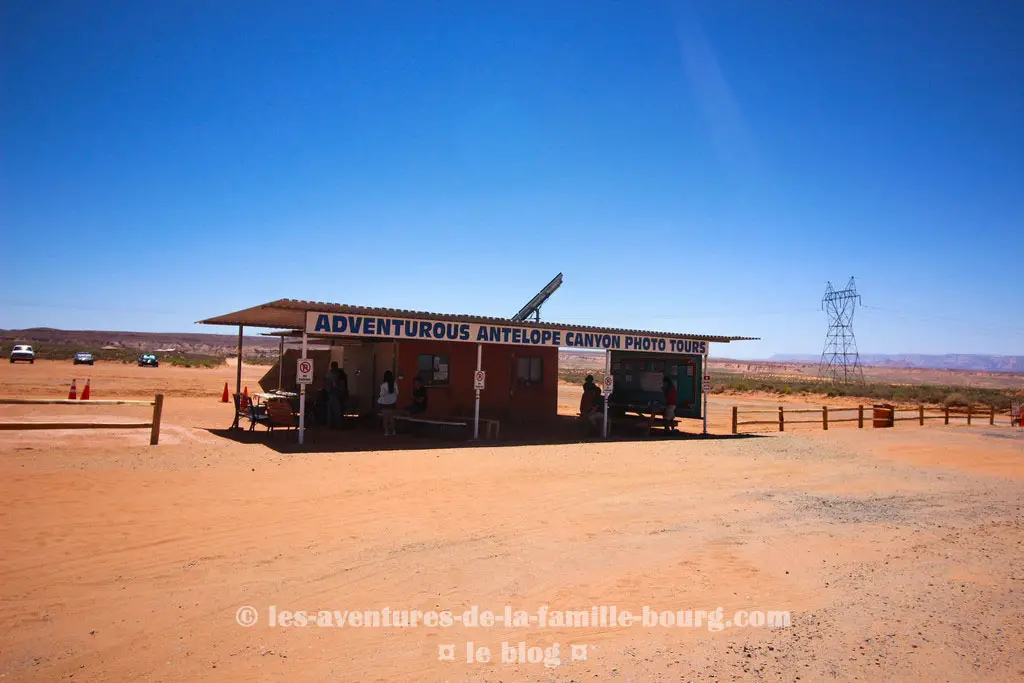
{"type": "Point", "coordinates": [387, 400]}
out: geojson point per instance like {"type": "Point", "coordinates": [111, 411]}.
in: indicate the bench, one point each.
{"type": "Point", "coordinates": [491, 426]}
{"type": "Point", "coordinates": [440, 424]}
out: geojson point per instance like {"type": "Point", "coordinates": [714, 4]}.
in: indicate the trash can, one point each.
{"type": "Point", "coordinates": [883, 415]}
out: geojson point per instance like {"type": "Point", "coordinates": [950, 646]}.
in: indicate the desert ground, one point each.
{"type": "Point", "coordinates": [898, 554]}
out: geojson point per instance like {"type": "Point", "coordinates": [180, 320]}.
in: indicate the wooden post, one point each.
{"type": "Point", "coordinates": [782, 420]}
{"type": "Point", "coordinates": [920, 414]}
{"type": "Point", "coordinates": [158, 408]}
{"type": "Point", "coordinates": [238, 379]}
{"type": "Point", "coordinates": [947, 414]}
{"type": "Point", "coordinates": [824, 418]}
{"type": "Point", "coordinates": [968, 414]}
{"type": "Point", "coordinates": [735, 418]}
{"type": "Point", "coordinates": [992, 414]}
{"type": "Point", "coordinates": [860, 417]}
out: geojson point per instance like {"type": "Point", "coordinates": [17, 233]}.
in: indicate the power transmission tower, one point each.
{"type": "Point", "coordinates": [840, 361]}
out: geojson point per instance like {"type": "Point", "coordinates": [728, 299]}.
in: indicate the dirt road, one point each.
{"type": "Point", "coordinates": [898, 554]}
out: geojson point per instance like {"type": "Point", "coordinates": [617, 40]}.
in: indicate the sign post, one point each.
{"type": "Point", "coordinates": [705, 388]}
{"type": "Point", "coordinates": [479, 379]}
{"type": "Point", "coordinates": [609, 385]}
{"type": "Point", "coordinates": [303, 376]}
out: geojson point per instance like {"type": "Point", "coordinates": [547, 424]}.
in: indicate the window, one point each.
{"type": "Point", "coordinates": [433, 370]}
{"type": "Point", "coordinates": [529, 370]}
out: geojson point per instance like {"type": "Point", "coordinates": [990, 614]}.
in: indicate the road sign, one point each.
{"type": "Point", "coordinates": [707, 383]}
{"type": "Point", "coordinates": [609, 384]}
{"type": "Point", "coordinates": [479, 378]}
{"type": "Point", "coordinates": [304, 371]}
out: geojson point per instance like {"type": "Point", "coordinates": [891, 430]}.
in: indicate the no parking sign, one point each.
{"type": "Point", "coordinates": [479, 379]}
{"type": "Point", "coordinates": [304, 371]}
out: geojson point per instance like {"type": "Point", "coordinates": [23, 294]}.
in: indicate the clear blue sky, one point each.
{"type": "Point", "coordinates": [693, 167]}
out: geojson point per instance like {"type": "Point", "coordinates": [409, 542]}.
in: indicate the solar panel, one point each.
{"type": "Point", "coordinates": [533, 307]}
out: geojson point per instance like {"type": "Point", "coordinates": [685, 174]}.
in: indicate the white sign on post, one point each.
{"type": "Point", "coordinates": [707, 383]}
{"type": "Point", "coordinates": [479, 379]}
{"type": "Point", "coordinates": [304, 371]}
{"type": "Point", "coordinates": [609, 384]}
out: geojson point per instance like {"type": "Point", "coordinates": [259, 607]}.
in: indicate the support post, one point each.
{"type": "Point", "coordinates": [280, 364]}
{"type": "Point", "coordinates": [302, 396]}
{"type": "Point", "coordinates": [947, 414]}
{"type": "Point", "coordinates": [705, 372]}
{"type": "Point", "coordinates": [782, 420]}
{"type": "Point", "coordinates": [824, 418]}
{"type": "Point", "coordinates": [735, 418]}
{"type": "Point", "coordinates": [158, 409]}
{"type": "Point", "coordinates": [992, 414]}
{"type": "Point", "coordinates": [968, 414]}
{"type": "Point", "coordinates": [860, 417]}
{"type": "Point", "coordinates": [920, 414]}
{"type": "Point", "coordinates": [607, 371]}
{"type": "Point", "coordinates": [238, 377]}
{"type": "Point", "coordinates": [476, 409]}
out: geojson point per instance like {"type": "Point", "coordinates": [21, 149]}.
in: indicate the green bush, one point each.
{"type": "Point", "coordinates": [956, 399]}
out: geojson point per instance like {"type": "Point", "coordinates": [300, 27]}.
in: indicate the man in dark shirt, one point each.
{"type": "Point", "coordinates": [592, 402]}
{"type": "Point", "coordinates": [669, 388]}
{"type": "Point", "coordinates": [419, 398]}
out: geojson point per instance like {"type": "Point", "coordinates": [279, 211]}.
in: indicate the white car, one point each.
{"type": "Point", "coordinates": [23, 352]}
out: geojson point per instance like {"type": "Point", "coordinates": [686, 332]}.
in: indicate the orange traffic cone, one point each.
{"type": "Point", "coordinates": [245, 391]}
{"type": "Point", "coordinates": [224, 396]}
{"type": "Point", "coordinates": [85, 392]}
{"type": "Point", "coordinates": [72, 392]}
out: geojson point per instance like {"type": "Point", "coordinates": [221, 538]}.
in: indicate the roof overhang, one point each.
{"type": "Point", "coordinates": [289, 315]}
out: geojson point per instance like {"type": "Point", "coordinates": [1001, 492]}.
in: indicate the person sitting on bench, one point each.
{"type": "Point", "coordinates": [419, 398]}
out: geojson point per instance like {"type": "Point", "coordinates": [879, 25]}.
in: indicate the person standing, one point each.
{"type": "Point", "coordinates": [332, 384]}
{"type": "Point", "coordinates": [669, 390]}
{"type": "Point", "coordinates": [387, 399]}
{"type": "Point", "coordinates": [591, 403]}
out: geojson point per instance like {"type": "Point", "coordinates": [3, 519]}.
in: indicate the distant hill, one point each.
{"type": "Point", "coordinates": [187, 343]}
{"type": "Point", "coordinates": [949, 361]}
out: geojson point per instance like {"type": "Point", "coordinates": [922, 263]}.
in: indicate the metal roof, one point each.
{"type": "Point", "coordinates": [290, 314]}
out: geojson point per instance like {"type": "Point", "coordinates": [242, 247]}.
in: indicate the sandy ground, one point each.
{"type": "Point", "coordinates": [897, 553]}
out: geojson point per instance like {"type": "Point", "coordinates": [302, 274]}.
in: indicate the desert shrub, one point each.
{"type": "Point", "coordinates": [956, 399]}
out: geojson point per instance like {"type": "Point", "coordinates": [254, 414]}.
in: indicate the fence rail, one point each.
{"type": "Point", "coordinates": [154, 425]}
{"type": "Point", "coordinates": [884, 414]}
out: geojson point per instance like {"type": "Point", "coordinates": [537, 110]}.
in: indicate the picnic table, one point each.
{"type": "Point", "coordinates": [272, 395]}
{"type": "Point", "coordinates": [640, 416]}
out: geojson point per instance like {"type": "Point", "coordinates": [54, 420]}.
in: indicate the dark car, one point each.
{"type": "Point", "coordinates": [148, 360]}
{"type": "Point", "coordinates": [84, 358]}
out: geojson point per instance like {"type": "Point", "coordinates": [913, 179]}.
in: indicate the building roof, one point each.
{"type": "Point", "coordinates": [290, 314]}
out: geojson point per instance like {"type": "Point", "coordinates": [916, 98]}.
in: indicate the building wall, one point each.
{"type": "Point", "coordinates": [504, 398]}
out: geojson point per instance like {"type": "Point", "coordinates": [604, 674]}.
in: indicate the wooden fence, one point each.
{"type": "Point", "coordinates": [888, 414]}
{"type": "Point", "coordinates": [154, 426]}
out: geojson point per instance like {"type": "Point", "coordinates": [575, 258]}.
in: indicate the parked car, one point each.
{"type": "Point", "coordinates": [23, 352]}
{"type": "Point", "coordinates": [148, 360]}
{"type": "Point", "coordinates": [84, 357]}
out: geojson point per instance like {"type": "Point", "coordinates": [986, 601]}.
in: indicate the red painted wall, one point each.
{"type": "Point", "coordinates": [504, 398]}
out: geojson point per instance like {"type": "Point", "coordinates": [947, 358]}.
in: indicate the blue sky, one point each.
{"type": "Point", "coordinates": [692, 167]}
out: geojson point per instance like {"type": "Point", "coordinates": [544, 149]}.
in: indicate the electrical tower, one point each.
{"type": "Point", "coordinates": [840, 361]}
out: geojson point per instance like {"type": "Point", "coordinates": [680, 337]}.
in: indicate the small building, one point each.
{"type": "Point", "coordinates": [519, 360]}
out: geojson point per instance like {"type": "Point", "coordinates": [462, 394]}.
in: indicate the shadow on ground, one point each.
{"type": "Point", "coordinates": [365, 435]}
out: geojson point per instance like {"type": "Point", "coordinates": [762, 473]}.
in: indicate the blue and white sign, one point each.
{"type": "Point", "coordinates": [348, 325]}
